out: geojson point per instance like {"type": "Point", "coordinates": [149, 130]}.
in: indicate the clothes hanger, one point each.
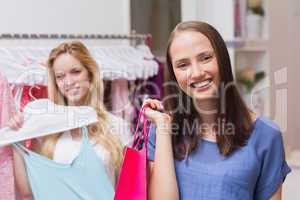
{"type": "Point", "coordinates": [43, 117]}
{"type": "Point", "coordinates": [30, 91]}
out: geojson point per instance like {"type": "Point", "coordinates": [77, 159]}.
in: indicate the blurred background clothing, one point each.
{"type": "Point", "coordinates": [7, 109]}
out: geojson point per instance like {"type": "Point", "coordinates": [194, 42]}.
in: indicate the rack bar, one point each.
{"type": "Point", "coordinates": [133, 36]}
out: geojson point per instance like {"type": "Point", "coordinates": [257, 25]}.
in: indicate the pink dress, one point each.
{"type": "Point", "coordinates": [7, 109]}
{"type": "Point", "coordinates": [120, 103]}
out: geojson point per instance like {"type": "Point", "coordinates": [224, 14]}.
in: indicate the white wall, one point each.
{"type": "Point", "coordinates": [293, 73]}
{"type": "Point", "coordinates": [284, 48]}
{"type": "Point", "coordinates": [65, 16]}
{"type": "Point", "coordinates": [211, 11]}
{"type": "Point", "coordinates": [218, 13]}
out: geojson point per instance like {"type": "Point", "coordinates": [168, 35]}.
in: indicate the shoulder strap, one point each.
{"type": "Point", "coordinates": [85, 132]}
{"type": "Point", "coordinates": [21, 149]}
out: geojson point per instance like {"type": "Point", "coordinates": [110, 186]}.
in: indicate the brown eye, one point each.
{"type": "Point", "coordinates": [181, 65]}
{"type": "Point", "coordinates": [205, 57]}
{"type": "Point", "coordinates": [58, 77]}
{"type": "Point", "coordinates": [208, 56]}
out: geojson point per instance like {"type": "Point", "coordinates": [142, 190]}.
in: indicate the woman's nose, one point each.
{"type": "Point", "coordinates": [69, 81]}
{"type": "Point", "coordinates": [197, 71]}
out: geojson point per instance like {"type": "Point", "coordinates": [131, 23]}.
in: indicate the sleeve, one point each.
{"type": "Point", "coordinates": [151, 143]}
{"type": "Point", "coordinates": [274, 168]}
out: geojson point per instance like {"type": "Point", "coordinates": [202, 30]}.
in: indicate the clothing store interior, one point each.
{"type": "Point", "coordinates": [128, 39]}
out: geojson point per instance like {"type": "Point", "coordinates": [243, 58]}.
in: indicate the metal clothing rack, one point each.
{"type": "Point", "coordinates": [134, 38]}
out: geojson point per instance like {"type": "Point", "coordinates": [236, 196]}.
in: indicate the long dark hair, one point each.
{"type": "Point", "coordinates": [231, 108]}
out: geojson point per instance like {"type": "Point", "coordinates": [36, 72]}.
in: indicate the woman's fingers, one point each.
{"type": "Point", "coordinates": [12, 124]}
{"type": "Point", "coordinates": [150, 111]}
{"type": "Point", "coordinates": [154, 104]}
{"type": "Point", "coordinates": [155, 111]}
{"type": "Point", "coordinates": [16, 122]}
{"type": "Point", "coordinates": [19, 119]}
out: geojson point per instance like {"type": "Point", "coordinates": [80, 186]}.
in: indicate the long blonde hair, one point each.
{"type": "Point", "coordinates": [100, 131]}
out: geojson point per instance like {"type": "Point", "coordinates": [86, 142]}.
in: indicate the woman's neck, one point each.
{"type": "Point", "coordinates": [75, 133]}
{"type": "Point", "coordinates": [208, 110]}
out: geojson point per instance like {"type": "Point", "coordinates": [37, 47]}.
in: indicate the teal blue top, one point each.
{"type": "Point", "coordinates": [84, 179]}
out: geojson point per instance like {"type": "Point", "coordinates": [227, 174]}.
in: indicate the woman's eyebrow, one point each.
{"type": "Point", "coordinates": [58, 73]}
{"type": "Point", "coordinates": [181, 60]}
{"type": "Point", "coordinates": [75, 68]}
{"type": "Point", "coordinates": [206, 53]}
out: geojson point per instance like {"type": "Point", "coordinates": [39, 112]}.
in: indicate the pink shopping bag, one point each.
{"type": "Point", "coordinates": [133, 179]}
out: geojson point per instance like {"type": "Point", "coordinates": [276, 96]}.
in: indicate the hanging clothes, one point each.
{"type": "Point", "coordinates": [25, 65]}
{"type": "Point", "coordinates": [155, 88]}
{"type": "Point", "coordinates": [150, 88]}
{"type": "Point", "coordinates": [84, 179]}
{"type": "Point", "coordinates": [27, 93]}
{"type": "Point", "coordinates": [7, 110]}
{"type": "Point", "coordinates": [120, 104]}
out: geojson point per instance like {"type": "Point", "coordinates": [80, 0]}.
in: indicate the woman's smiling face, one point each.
{"type": "Point", "coordinates": [194, 64]}
{"type": "Point", "coordinates": [72, 78]}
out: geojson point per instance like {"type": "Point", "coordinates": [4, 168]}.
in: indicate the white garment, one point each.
{"type": "Point", "coordinates": [24, 65]}
{"type": "Point", "coordinates": [67, 148]}
{"type": "Point", "coordinates": [42, 117]}
{"type": "Point", "coordinates": [20, 69]}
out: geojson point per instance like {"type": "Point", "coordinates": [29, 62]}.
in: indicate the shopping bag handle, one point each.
{"type": "Point", "coordinates": [144, 129]}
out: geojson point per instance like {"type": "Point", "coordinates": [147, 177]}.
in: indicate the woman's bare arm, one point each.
{"type": "Point", "coordinates": [20, 172]}
{"type": "Point", "coordinates": [163, 183]}
{"type": "Point", "coordinates": [21, 177]}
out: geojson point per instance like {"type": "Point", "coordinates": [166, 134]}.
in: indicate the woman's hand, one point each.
{"type": "Point", "coordinates": [163, 183]}
{"type": "Point", "coordinates": [16, 122]}
{"type": "Point", "coordinates": [155, 113]}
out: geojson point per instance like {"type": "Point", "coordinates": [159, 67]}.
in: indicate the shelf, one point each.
{"type": "Point", "coordinates": [248, 45]}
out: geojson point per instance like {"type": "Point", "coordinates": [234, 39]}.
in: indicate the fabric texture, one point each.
{"type": "Point", "coordinates": [7, 109]}
{"type": "Point", "coordinates": [84, 179]}
{"type": "Point", "coordinates": [254, 171]}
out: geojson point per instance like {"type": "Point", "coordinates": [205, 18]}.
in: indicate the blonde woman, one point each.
{"type": "Point", "coordinates": [74, 79]}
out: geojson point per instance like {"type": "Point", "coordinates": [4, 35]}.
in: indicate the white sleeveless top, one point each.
{"type": "Point", "coordinates": [67, 148]}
